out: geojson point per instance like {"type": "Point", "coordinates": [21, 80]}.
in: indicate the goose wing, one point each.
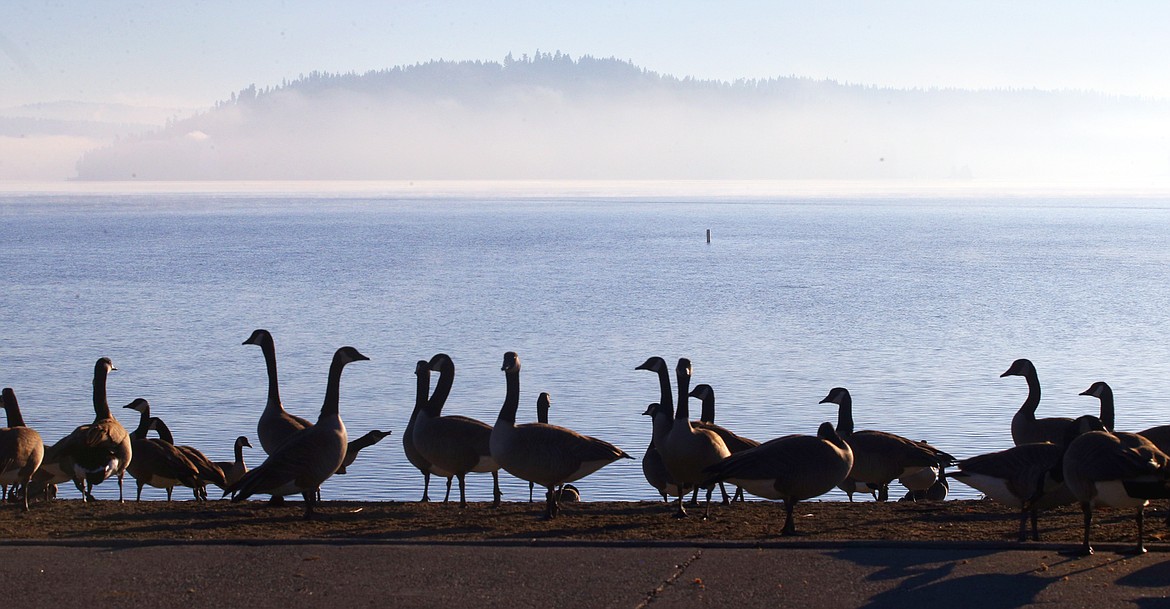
{"type": "Point", "coordinates": [735, 443]}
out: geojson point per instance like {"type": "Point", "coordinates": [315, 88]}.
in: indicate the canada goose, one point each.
{"type": "Point", "coordinates": [276, 424]}
{"type": "Point", "coordinates": [935, 491]}
{"type": "Point", "coordinates": [1025, 426]}
{"type": "Point", "coordinates": [234, 470]}
{"type": "Point", "coordinates": [367, 440]}
{"type": "Point", "coordinates": [735, 443]}
{"type": "Point", "coordinates": [687, 450]}
{"type": "Point", "coordinates": [1114, 469]}
{"type": "Point", "coordinates": [208, 472]}
{"type": "Point", "coordinates": [21, 448]}
{"type": "Point", "coordinates": [456, 444]}
{"type": "Point", "coordinates": [94, 452]}
{"type": "Point", "coordinates": [790, 468]}
{"type": "Point", "coordinates": [880, 457]}
{"type": "Point", "coordinates": [545, 454]}
{"type": "Point", "coordinates": [422, 372]}
{"type": "Point", "coordinates": [310, 456]}
{"type": "Point", "coordinates": [157, 462]}
{"type": "Point", "coordinates": [661, 414]}
{"type": "Point", "coordinates": [1027, 477]}
{"type": "Point", "coordinates": [652, 466]}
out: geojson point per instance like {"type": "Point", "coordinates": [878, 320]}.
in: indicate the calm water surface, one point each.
{"type": "Point", "coordinates": [916, 306]}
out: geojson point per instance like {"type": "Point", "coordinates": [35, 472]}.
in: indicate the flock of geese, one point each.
{"type": "Point", "coordinates": [1055, 461]}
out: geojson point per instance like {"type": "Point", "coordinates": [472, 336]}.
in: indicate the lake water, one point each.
{"type": "Point", "coordinates": [914, 304]}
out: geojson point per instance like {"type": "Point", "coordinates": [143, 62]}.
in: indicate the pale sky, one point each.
{"type": "Point", "coordinates": [196, 53]}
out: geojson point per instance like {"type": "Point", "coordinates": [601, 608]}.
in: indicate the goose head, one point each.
{"type": "Point", "coordinates": [652, 410]}
{"type": "Point", "coordinates": [421, 366]}
{"type": "Point", "coordinates": [654, 364]}
{"type": "Point", "coordinates": [140, 405]}
{"type": "Point", "coordinates": [440, 362]}
{"type": "Point", "coordinates": [543, 402]}
{"type": "Point", "coordinates": [702, 391]}
{"type": "Point", "coordinates": [511, 362]}
{"type": "Point", "coordinates": [683, 367]}
{"type": "Point", "coordinates": [8, 398]}
{"type": "Point", "coordinates": [243, 441]}
{"type": "Point", "coordinates": [259, 337]}
{"type": "Point", "coordinates": [346, 355]}
{"type": "Point", "coordinates": [103, 365]}
{"type": "Point", "coordinates": [1100, 389]}
{"type": "Point", "coordinates": [837, 395]}
{"type": "Point", "coordinates": [1020, 367]}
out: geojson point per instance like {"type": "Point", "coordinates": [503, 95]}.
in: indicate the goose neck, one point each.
{"type": "Point", "coordinates": [684, 381]}
{"type": "Point", "coordinates": [665, 398]}
{"type": "Point", "coordinates": [101, 406]}
{"type": "Point", "coordinates": [845, 416]}
{"type": "Point", "coordinates": [1033, 399]}
{"type": "Point", "coordinates": [442, 389]}
{"type": "Point", "coordinates": [239, 453]}
{"type": "Point", "coordinates": [12, 409]}
{"type": "Point", "coordinates": [511, 398]}
{"type": "Point", "coordinates": [1107, 414]}
{"type": "Point", "coordinates": [269, 349]}
{"type": "Point", "coordinates": [333, 388]}
{"type": "Point", "coordinates": [708, 413]}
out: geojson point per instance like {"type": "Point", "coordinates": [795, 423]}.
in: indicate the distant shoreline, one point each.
{"type": "Point", "coordinates": [604, 189]}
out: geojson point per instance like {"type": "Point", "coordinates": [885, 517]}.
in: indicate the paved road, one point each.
{"type": "Point", "coordinates": [388, 575]}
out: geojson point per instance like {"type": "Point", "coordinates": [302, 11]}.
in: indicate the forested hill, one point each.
{"type": "Point", "coordinates": [552, 116]}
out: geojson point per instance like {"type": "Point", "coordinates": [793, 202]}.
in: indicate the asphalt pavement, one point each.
{"type": "Point", "coordinates": [285, 575]}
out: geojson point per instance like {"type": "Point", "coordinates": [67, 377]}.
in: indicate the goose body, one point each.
{"type": "Point", "coordinates": [310, 456]}
{"type": "Point", "coordinates": [275, 424]}
{"type": "Point", "coordinates": [453, 444]}
{"type": "Point", "coordinates": [1115, 469]}
{"type": "Point", "coordinates": [880, 457]}
{"type": "Point", "coordinates": [1026, 428]}
{"type": "Point", "coordinates": [21, 447]}
{"type": "Point", "coordinates": [688, 450]}
{"type": "Point", "coordinates": [1027, 477]}
{"type": "Point", "coordinates": [791, 468]}
{"type": "Point", "coordinates": [422, 373]}
{"type": "Point", "coordinates": [544, 454]}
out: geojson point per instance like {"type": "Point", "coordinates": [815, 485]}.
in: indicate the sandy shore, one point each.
{"type": "Point", "coordinates": [754, 521]}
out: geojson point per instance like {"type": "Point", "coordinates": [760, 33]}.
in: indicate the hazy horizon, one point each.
{"type": "Point", "coordinates": [81, 78]}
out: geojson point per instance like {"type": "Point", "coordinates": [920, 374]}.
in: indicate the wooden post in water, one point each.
{"type": "Point", "coordinates": [708, 235]}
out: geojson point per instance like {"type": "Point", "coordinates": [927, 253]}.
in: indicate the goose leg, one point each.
{"type": "Point", "coordinates": [462, 492]}
{"type": "Point", "coordinates": [170, 490]}
{"type": "Point", "coordinates": [1035, 527]}
{"type": "Point", "coordinates": [550, 499]}
{"type": "Point", "coordinates": [1087, 549]}
{"type": "Point", "coordinates": [120, 475]}
{"type": "Point", "coordinates": [496, 494]}
{"type": "Point", "coordinates": [884, 493]}
{"type": "Point", "coordinates": [81, 489]}
{"type": "Point", "coordinates": [447, 497]}
{"type": "Point", "coordinates": [681, 513]}
{"type": "Point", "coordinates": [789, 525]}
{"type": "Point", "coordinates": [139, 492]}
{"type": "Point", "coordinates": [530, 487]}
{"type": "Point", "coordinates": [695, 496]}
{"type": "Point", "coordinates": [707, 511]}
{"type": "Point", "coordinates": [1022, 536]}
{"type": "Point", "coordinates": [310, 498]}
{"type": "Point", "coordinates": [426, 486]}
{"type": "Point", "coordinates": [723, 491]}
{"type": "Point", "coordinates": [738, 495]}
{"type": "Point", "coordinates": [1141, 546]}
